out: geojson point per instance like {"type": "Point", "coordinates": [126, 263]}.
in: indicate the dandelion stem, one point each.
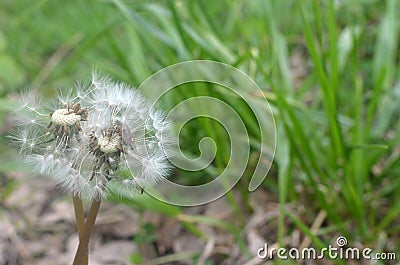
{"type": "Point", "coordinates": [87, 231]}
{"type": "Point", "coordinates": [79, 214]}
{"type": "Point", "coordinates": [80, 222]}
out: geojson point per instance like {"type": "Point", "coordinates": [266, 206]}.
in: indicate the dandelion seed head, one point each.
{"type": "Point", "coordinates": [103, 138]}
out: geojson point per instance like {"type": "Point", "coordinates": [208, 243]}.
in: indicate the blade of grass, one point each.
{"type": "Point", "coordinates": [284, 162]}
{"type": "Point", "coordinates": [305, 154]}
{"type": "Point", "coordinates": [328, 89]}
{"type": "Point", "coordinates": [356, 172]}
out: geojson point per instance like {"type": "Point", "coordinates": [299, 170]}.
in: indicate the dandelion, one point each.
{"type": "Point", "coordinates": [104, 139]}
{"type": "Point", "coordinates": [122, 142]}
{"type": "Point", "coordinates": [48, 137]}
{"type": "Point", "coordinates": [47, 134]}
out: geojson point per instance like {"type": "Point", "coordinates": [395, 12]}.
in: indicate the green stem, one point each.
{"type": "Point", "coordinates": [87, 231]}
{"type": "Point", "coordinates": [80, 221]}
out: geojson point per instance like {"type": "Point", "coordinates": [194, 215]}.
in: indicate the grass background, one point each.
{"type": "Point", "coordinates": [330, 70]}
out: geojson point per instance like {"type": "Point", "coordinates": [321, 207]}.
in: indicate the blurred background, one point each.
{"type": "Point", "coordinates": [330, 71]}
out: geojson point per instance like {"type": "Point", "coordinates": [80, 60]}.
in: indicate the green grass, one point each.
{"type": "Point", "coordinates": [337, 126]}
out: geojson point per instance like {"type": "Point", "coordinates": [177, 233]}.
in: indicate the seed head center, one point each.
{"type": "Point", "coordinates": [109, 145]}
{"type": "Point", "coordinates": [65, 117]}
